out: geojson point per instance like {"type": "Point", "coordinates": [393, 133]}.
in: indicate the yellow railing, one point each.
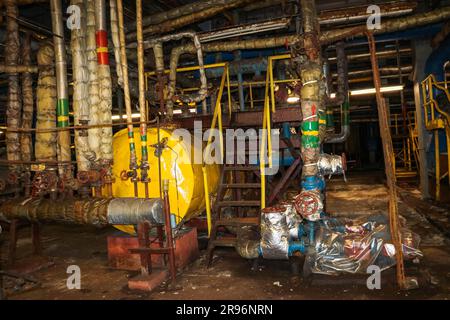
{"type": "Point", "coordinates": [435, 119]}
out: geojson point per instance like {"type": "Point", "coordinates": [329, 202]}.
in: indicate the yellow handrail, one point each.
{"type": "Point", "coordinates": [217, 119]}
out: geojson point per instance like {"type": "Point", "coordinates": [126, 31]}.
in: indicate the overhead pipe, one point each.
{"type": "Point", "coordinates": [326, 37]}
{"type": "Point", "coordinates": [62, 110]}
{"type": "Point", "coordinates": [218, 7]}
{"type": "Point", "coordinates": [105, 85]}
{"type": "Point", "coordinates": [126, 90]}
{"type": "Point", "coordinates": [13, 109]}
{"type": "Point", "coordinates": [186, 98]}
{"type": "Point", "coordinates": [142, 106]}
{"type": "Point", "coordinates": [80, 73]}
{"type": "Point", "coordinates": [98, 212]}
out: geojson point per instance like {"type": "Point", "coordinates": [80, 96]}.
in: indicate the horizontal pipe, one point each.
{"type": "Point", "coordinates": [18, 69]}
{"type": "Point", "coordinates": [97, 211]}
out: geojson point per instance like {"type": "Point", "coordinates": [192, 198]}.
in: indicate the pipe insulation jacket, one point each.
{"type": "Point", "coordinates": [18, 69]}
{"type": "Point", "coordinates": [62, 90]}
{"type": "Point", "coordinates": [94, 134]}
{"type": "Point", "coordinates": [104, 81]}
{"type": "Point", "coordinates": [13, 108]}
{"type": "Point", "coordinates": [97, 211]}
{"type": "Point", "coordinates": [28, 101]}
{"type": "Point", "coordinates": [45, 144]}
{"type": "Point", "coordinates": [115, 40]}
{"type": "Point", "coordinates": [84, 155]}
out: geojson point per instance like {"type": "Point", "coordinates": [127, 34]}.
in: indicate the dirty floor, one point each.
{"type": "Point", "coordinates": [232, 277]}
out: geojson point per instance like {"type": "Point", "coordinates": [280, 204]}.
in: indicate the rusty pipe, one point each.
{"type": "Point", "coordinates": [168, 227]}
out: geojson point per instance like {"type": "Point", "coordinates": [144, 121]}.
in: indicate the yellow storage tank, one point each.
{"type": "Point", "coordinates": [186, 190]}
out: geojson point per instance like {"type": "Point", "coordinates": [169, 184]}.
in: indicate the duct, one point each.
{"type": "Point", "coordinates": [14, 96]}
{"type": "Point", "coordinates": [97, 211]}
{"type": "Point", "coordinates": [18, 69]}
{"type": "Point", "coordinates": [217, 7]}
{"type": "Point", "coordinates": [94, 134]}
{"type": "Point", "coordinates": [45, 145]}
{"type": "Point", "coordinates": [126, 91]}
{"type": "Point", "coordinates": [115, 40]}
{"type": "Point", "coordinates": [28, 101]}
{"type": "Point", "coordinates": [85, 157]}
{"type": "Point", "coordinates": [104, 82]}
{"type": "Point", "coordinates": [274, 233]}
{"type": "Point", "coordinates": [62, 104]}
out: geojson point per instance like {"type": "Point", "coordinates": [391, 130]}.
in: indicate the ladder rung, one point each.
{"type": "Point", "coordinates": [242, 203]}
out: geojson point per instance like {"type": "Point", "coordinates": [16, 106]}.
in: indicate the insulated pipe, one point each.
{"type": "Point", "coordinates": [142, 107]}
{"type": "Point", "coordinates": [28, 101]}
{"type": "Point", "coordinates": [94, 134]}
{"type": "Point", "coordinates": [97, 211]}
{"type": "Point", "coordinates": [188, 19]}
{"type": "Point", "coordinates": [115, 40]}
{"type": "Point", "coordinates": [388, 25]}
{"type": "Point", "coordinates": [104, 81]}
{"type": "Point", "coordinates": [159, 62]}
{"type": "Point", "coordinates": [84, 155]}
{"type": "Point", "coordinates": [126, 92]}
{"type": "Point", "coordinates": [18, 69]}
{"type": "Point", "coordinates": [13, 108]}
{"type": "Point", "coordinates": [46, 97]}
{"type": "Point", "coordinates": [62, 106]}
{"type": "Point", "coordinates": [342, 79]}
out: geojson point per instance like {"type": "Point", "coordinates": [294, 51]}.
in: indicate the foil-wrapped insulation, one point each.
{"type": "Point", "coordinates": [309, 204]}
{"type": "Point", "coordinates": [84, 155]}
{"type": "Point", "coordinates": [133, 210]}
{"type": "Point", "coordinates": [330, 164]}
{"type": "Point", "coordinates": [115, 40]}
{"type": "Point", "coordinates": [94, 134]}
{"type": "Point", "coordinates": [45, 144]}
{"type": "Point", "coordinates": [293, 219]}
{"type": "Point", "coordinates": [274, 233]}
{"type": "Point", "coordinates": [28, 101]}
{"type": "Point", "coordinates": [95, 211]}
{"type": "Point", "coordinates": [13, 109]}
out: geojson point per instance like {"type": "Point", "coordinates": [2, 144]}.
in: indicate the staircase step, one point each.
{"type": "Point", "coordinates": [241, 168]}
{"type": "Point", "coordinates": [242, 185]}
{"type": "Point", "coordinates": [242, 203]}
{"type": "Point", "coordinates": [224, 242]}
{"type": "Point", "coordinates": [247, 221]}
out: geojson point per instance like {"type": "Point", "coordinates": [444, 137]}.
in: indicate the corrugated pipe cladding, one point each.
{"type": "Point", "coordinates": [104, 81]}
{"type": "Point", "coordinates": [13, 110]}
{"type": "Point", "coordinates": [28, 101]}
{"type": "Point", "coordinates": [85, 156]}
{"type": "Point", "coordinates": [97, 212]}
{"type": "Point", "coordinates": [115, 40]}
{"type": "Point", "coordinates": [45, 144]}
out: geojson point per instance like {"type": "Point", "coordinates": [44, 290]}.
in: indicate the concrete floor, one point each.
{"type": "Point", "coordinates": [232, 277]}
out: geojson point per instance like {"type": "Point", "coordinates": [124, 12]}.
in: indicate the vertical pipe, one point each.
{"type": "Point", "coordinates": [28, 105]}
{"type": "Point", "coordinates": [105, 86]}
{"type": "Point", "coordinates": [167, 222]}
{"type": "Point", "coordinates": [80, 75]}
{"type": "Point", "coordinates": [115, 40]}
{"type": "Point", "coordinates": [143, 128]}
{"type": "Point", "coordinates": [126, 91]}
{"type": "Point", "coordinates": [62, 109]}
{"type": "Point", "coordinates": [14, 97]}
